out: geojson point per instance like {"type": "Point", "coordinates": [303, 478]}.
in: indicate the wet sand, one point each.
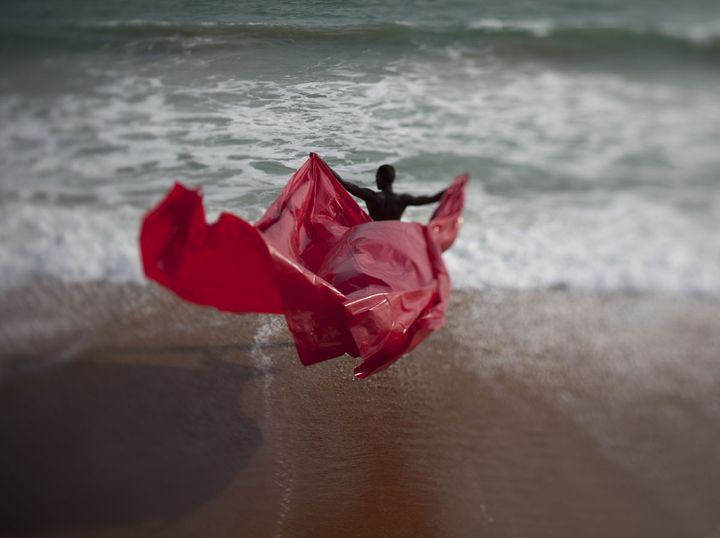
{"type": "Point", "coordinates": [125, 412]}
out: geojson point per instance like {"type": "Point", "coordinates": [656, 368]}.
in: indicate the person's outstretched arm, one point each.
{"type": "Point", "coordinates": [355, 190]}
{"type": "Point", "coordinates": [409, 199]}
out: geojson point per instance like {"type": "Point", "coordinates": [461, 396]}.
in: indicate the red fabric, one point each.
{"type": "Point", "coordinates": [346, 284]}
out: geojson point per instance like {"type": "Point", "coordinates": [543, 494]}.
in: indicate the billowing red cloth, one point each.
{"type": "Point", "coordinates": [345, 283]}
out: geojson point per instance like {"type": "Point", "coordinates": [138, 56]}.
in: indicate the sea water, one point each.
{"type": "Point", "coordinates": [591, 130]}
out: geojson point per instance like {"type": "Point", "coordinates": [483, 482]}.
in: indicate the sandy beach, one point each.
{"type": "Point", "coordinates": [126, 412]}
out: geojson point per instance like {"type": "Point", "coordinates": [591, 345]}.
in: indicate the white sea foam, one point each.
{"type": "Point", "coordinates": [76, 246]}
{"type": "Point", "coordinates": [538, 27]}
{"type": "Point", "coordinates": [572, 164]}
{"type": "Point", "coordinates": [625, 243]}
{"type": "Point", "coordinates": [698, 32]}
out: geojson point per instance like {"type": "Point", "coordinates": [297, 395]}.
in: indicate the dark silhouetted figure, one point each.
{"type": "Point", "coordinates": [386, 204]}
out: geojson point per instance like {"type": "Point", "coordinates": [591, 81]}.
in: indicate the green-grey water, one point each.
{"type": "Point", "coordinates": [590, 129]}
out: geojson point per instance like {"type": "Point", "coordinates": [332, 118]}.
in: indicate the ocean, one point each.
{"type": "Point", "coordinates": [591, 130]}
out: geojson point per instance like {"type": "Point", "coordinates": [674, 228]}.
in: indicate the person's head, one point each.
{"type": "Point", "coordinates": [384, 177]}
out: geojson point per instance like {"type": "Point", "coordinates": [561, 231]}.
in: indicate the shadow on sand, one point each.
{"type": "Point", "coordinates": [91, 445]}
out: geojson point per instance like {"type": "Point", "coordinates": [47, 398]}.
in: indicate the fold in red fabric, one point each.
{"type": "Point", "coordinates": [345, 283]}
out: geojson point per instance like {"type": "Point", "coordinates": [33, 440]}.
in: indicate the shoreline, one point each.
{"type": "Point", "coordinates": [544, 413]}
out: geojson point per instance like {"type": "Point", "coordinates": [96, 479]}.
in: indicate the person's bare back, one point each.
{"type": "Point", "coordinates": [386, 204]}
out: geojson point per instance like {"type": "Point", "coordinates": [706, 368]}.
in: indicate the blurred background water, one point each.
{"type": "Point", "coordinates": [591, 129]}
